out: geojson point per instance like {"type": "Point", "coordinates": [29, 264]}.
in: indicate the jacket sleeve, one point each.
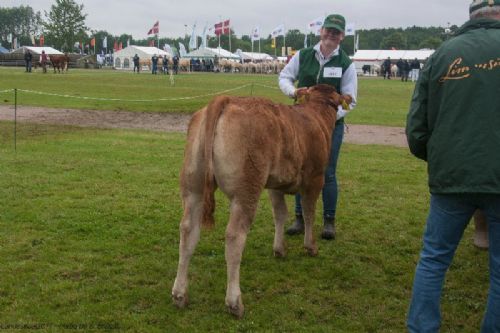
{"type": "Point", "coordinates": [417, 126]}
{"type": "Point", "coordinates": [289, 75]}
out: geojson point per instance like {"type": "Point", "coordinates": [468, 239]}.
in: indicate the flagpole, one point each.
{"type": "Point", "coordinates": [229, 34]}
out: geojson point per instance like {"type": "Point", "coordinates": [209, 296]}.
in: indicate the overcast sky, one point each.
{"type": "Point", "coordinates": [138, 16]}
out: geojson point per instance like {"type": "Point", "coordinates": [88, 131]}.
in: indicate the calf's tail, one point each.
{"type": "Point", "coordinates": [213, 113]}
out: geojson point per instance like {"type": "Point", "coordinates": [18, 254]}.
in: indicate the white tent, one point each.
{"type": "Point", "coordinates": [37, 50]}
{"type": "Point", "coordinates": [207, 52]}
{"type": "Point", "coordinates": [376, 57]}
{"type": "Point", "coordinates": [254, 56]}
{"type": "Point", "coordinates": [123, 59]}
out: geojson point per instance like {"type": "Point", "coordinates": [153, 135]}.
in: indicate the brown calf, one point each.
{"type": "Point", "coordinates": [243, 145]}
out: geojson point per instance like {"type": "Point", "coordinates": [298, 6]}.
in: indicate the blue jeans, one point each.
{"type": "Point", "coordinates": [330, 188]}
{"type": "Point", "coordinates": [448, 217]}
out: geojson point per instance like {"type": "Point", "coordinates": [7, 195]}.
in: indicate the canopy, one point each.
{"type": "Point", "coordinates": [123, 58]}
{"type": "Point", "coordinates": [37, 50]}
{"type": "Point", "coordinates": [207, 52]}
{"type": "Point", "coordinates": [254, 56]}
{"type": "Point", "coordinates": [3, 50]}
{"type": "Point", "coordinates": [379, 55]}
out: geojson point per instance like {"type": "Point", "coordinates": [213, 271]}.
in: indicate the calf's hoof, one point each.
{"type": "Point", "coordinates": [180, 301]}
{"type": "Point", "coordinates": [237, 309]}
{"type": "Point", "coordinates": [312, 251]}
{"type": "Point", "coordinates": [279, 253]}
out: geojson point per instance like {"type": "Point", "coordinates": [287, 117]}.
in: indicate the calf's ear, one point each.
{"type": "Point", "coordinates": [346, 98]}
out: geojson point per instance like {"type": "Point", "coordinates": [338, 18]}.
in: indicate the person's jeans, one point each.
{"type": "Point", "coordinates": [330, 188]}
{"type": "Point", "coordinates": [448, 217]}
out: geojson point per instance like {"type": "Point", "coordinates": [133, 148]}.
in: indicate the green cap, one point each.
{"type": "Point", "coordinates": [477, 4]}
{"type": "Point", "coordinates": [335, 21]}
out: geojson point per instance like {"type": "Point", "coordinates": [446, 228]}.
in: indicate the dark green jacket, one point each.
{"type": "Point", "coordinates": [454, 118]}
{"type": "Point", "coordinates": [311, 74]}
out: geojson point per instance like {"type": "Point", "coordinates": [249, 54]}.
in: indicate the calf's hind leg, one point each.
{"type": "Point", "coordinates": [240, 219]}
{"type": "Point", "coordinates": [189, 237]}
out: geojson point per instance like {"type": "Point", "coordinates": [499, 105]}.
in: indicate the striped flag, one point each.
{"type": "Point", "coordinates": [155, 29]}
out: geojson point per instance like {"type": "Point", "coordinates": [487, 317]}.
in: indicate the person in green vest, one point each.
{"type": "Point", "coordinates": [454, 125]}
{"type": "Point", "coordinates": [323, 63]}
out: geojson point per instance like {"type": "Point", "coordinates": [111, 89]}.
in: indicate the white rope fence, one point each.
{"type": "Point", "coordinates": [136, 100]}
{"type": "Point", "coordinates": [6, 91]}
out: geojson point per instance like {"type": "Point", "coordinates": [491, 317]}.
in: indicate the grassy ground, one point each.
{"type": "Point", "coordinates": [380, 102]}
{"type": "Point", "coordinates": [89, 240]}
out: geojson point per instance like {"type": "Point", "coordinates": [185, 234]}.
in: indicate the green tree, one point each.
{"type": "Point", "coordinates": [430, 43]}
{"type": "Point", "coordinates": [22, 22]}
{"type": "Point", "coordinates": [66, 24]}
{"type": "Point", "coordinates": [395, 40]}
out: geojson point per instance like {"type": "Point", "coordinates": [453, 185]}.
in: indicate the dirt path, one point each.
{"type": "Point", "coordinates": [358, 134]}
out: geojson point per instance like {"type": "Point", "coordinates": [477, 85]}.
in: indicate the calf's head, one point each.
{"type": "Point", "coordinates": [323, 93]}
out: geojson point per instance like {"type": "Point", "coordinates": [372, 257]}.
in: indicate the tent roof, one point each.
{"type": "Point", "coordinates": [37, 50]}
{"type": "Point", "coordinates": [254, 55]}
{"type": "Point", "coordinates": [3, 50]}
{"type": "Point", "coordinates": [208, 52]}
{"type": "Point", "coordinates": [367, 55]}
{"type": "Point", "coordinates": [141, 51]}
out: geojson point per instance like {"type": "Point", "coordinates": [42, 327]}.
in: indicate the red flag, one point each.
{"type": "Point", "coordinates": [115, 46]}
{"type": "Point", "coordinates": [222, 28]}
{"type": "Point", "coordinates": [42, 40]}
{"type": "Point", "coordinates": [120, 46]}
{"type": "Point", "coordinates": [92, 42]}
{"type": "Point", "coordinates": [155, 29]}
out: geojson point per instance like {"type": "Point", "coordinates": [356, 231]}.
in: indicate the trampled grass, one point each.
{"type": "Point", "coordinates": [381, 102]}
{"type": "Point", "coordinates": [89, 240]}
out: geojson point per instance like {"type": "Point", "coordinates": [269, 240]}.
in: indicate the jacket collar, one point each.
{"type": "Point", "coordinates": [331, 55]}
{"type": "Point", "coordinates": [478, 24]}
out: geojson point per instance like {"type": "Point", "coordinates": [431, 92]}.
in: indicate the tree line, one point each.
{"type": "Point", "coordinates": [63, 26]}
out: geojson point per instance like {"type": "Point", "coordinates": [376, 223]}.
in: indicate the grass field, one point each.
{"type": "Point", "coordinates": [89, 241]}
{"type": "Point", "coordinates": [380, 102]}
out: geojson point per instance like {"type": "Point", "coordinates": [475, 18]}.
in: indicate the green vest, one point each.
{"type": "Point", "coordinates": [311, 74]}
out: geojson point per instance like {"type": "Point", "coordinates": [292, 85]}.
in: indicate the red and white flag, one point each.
{"type": "Point", "coordinates": [155, 29]}
{"type": "Point", "coordinates": [222, 28]}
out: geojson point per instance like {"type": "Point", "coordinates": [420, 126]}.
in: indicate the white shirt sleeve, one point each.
{"type": "Point", "coordinates": [348, 86]}
{"type": "Point", "coordinates": [289, 75]}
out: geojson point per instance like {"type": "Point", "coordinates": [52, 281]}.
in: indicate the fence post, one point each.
{"type": "Point", "coordinates": [251, 90]}
{"type": "Point", "coordinates": [15, 120]}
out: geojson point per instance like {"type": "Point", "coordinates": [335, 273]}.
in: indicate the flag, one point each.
{"type": "Point", "coordinates": [273, 43]}
{"type": "Point", "coordinates": [105, 42]}
{"type": "Point", "coordinates": [255, 34]}
{"type": "Point", "coordinates": [33, 39]}
{"type": "Point", "coordinates": [92, 42]}
{"type": "Point", "coordinates": [222, 28]}
{"type": "Point", "coordinates": [350, 29]}
{"type": "Point", "coordinates": [357, 42]}
{"type": "Point", "coordinates": [204, 37]}
{"type": "Point", "coordinates": [193, 41]}
{"type": "Point", "coordinates": [167, 49]}
{"type": "Point", "coordinates": [305, 41]}
{"type": "Point", "coordinates": [128, 42]}
{"type": "Point", "coordinates": [42, 40]}
{"type": "Point", "coordinates": [182, 50]}
{"type": "Point", "coordinates": [316, 24]}
{"type": "Point", "coordinates": [115, 45]}
{"type": "Point", "coordinates": [120, 46]}
{"type": "Point", "coordinates": [155, 29]}
{"type": "Point", "coordinates": [9, 38]}
{"type": "Point", "coordinates": [278, 31]}
{"type": "Point", "coordinates": [14, 43]}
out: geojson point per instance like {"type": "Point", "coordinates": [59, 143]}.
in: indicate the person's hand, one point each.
{"type": "Point", "coordinates": [299, 92]}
